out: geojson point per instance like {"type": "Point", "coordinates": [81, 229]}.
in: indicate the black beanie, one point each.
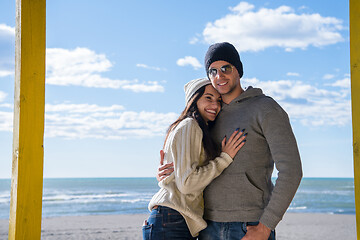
{"type": "Point", "coordinates": [223, 52]}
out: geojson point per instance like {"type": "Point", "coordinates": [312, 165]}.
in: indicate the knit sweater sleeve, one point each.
{"type": "Point", "coordinates": [186, 150]}
{"type": "Point", "coordinates": [284, 151]}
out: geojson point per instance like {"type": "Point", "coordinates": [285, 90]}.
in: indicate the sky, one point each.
{"type": "Point", "coordinates": [115, 72]}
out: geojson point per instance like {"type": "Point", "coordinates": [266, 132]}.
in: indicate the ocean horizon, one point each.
{"type": "Point", "coordinates": [102, 196]}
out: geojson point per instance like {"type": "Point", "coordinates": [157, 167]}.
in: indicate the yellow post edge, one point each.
{"type": "Point", "coordinates": [28, 129]}
{"type": "Point", "coordinates": [355, 97]}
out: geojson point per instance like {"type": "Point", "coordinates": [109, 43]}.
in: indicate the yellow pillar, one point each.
{"type": "Point", "coordinates": [28, 132]}
{"type": "Point", "coordinates": [355, 96]}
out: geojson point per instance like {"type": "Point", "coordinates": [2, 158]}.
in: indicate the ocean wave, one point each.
{"type": "Point", "coordinates": [135, 200]}
{"type": "Point", "coordinates": [68, 197]}
{"type": "Point", "coordinates": [118, 196]}
{"type": "Point", "coordinates": [298, 208]}
{"type": "Point", "coordinates": [326, 192]}
{"type": "Point", "coordinates": [5, 194]}
{"type": "Point", "coordinates": [5, 201]}
{"type": "Point", "coordinates": [5, 197]}
{"type": "Point", "coordinates": [96, 198]}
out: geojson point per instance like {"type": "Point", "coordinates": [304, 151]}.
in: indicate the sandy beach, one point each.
{"type": "Point", "coordinates": [294, 226]}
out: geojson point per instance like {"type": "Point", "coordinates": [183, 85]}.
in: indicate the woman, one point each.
{"type": "Point", "coordinates": [177, 208]}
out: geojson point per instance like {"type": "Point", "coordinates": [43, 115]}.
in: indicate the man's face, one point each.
{"type": "Point", "coordinates": [225, 83]}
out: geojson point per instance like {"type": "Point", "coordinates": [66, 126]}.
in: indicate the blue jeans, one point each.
{"type": "Point", "coordinates": [227, 230]}
{"type": "Point", "coordinates": [166, 223]}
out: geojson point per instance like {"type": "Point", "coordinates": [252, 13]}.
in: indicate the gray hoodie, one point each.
{"type": "Point", "coordinates": [244, 191]}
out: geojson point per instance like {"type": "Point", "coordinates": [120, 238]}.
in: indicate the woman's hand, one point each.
{"type": "Point", "coordinates": [235, 142]}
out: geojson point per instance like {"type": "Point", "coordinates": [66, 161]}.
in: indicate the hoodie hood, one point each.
{"type": "Point", "coordinates": [248, 93]}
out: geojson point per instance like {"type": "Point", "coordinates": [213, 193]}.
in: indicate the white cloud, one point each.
{"type": "Point", "coordinates": [140, 65]}
{"type": "Point", "coordinates": [189, 60]}
{"type": "Point", "coordinates": [310, 105]}
{"type": "Point", "coordinates": [343, 83]}
{"type": "Point", "coordinates": [149, 87]}
{"type": "Point", "coordinates": [294, 74]}
{"type": "Point", "coordinates": [82, 67]}
{"type": "Point", "coordinates": [195, 39]}
{"type": "Point", "coordinates": [6, 117]}
{"type": "Point", "coordinates": [77, 121]}
{"type": "Point", "coordinates": [80, 108]}
{"type": "Point", "coordinates": [307, 104]}
{"type": "Point", "coordinates": [5, 73]}
{"type": "Point", "coordinates": [328, 76]}
{"type": "Point", "coordinates": [242, 8]}
{"type": "Point", "coordinates": [7, 105]}
{"type": "Point", "coordinates": [6, 121]}
{"type": "Point", "coordinates": [251, 30]}
{"type": "Point", "coordinates": [2, 96]}
{"type": "Point", "coordinates": [6, 31]}
{"type": "Point", "coordinates": [7, 50]}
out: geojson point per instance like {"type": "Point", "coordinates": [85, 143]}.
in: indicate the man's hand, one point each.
{"type": "Point", "coordinates": [164, 170]}
{"type": "Point", "coordinates": [259, 232]}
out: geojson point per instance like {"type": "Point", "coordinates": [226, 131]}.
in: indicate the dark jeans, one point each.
{"type": "Point", "coordinates": [166, 223]}
{"type": "Point", "coordinates": [227, 230]}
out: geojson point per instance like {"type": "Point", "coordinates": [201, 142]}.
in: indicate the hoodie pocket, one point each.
{"type": "Point", "coordinates": [251, 196]}
{"type": "Point", "coordinates": [235, 192]}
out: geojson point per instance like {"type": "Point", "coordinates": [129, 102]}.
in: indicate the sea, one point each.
{"type": "Point", "coordinates": [102, 196]}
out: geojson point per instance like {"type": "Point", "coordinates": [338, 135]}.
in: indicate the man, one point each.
{"type": "Point", "coordinates": [242, 203]}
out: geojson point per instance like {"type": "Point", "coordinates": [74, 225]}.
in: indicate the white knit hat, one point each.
{"type": "Point", "coordinates": [191, 87]}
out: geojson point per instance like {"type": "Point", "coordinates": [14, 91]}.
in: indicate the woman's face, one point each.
{"type": "Point", "coordinates": [209, 104]}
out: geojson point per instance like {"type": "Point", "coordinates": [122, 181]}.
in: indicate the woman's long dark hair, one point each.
{"type": "Point", "coordinates": [191, 110]}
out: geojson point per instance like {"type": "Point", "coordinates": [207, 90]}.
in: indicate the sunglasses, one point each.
{"type": "Point", "coordinates": [226, 69]}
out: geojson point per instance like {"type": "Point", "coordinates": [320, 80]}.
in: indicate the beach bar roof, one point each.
{"type": "Point", "coordinates": [29, 105]}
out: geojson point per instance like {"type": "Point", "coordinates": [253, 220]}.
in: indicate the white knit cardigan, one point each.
{"type": "Point", "coordinates": [183, 189]}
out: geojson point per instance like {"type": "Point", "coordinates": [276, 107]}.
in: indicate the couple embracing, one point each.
{"type": "Point", "coordinates": [216, 180]}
